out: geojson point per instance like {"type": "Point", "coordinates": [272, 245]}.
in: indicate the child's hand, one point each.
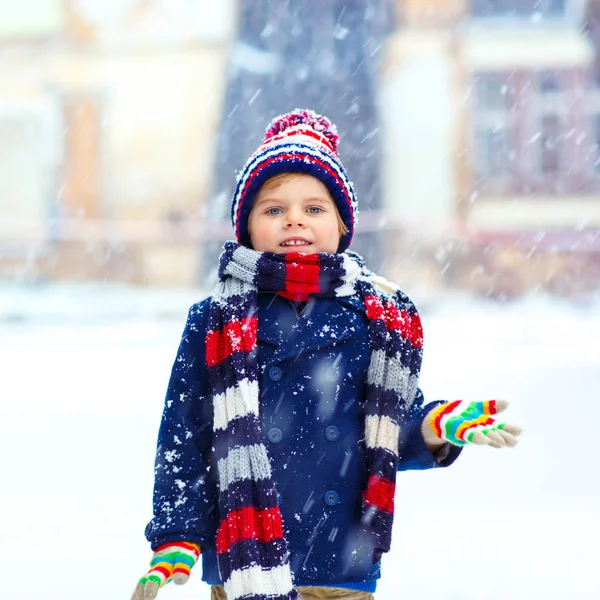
{"type": "Point", "coordinates": [462, 423]}
{"type": "Point", "coordinates": [171, 561]}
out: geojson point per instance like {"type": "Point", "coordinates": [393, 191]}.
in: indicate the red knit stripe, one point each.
{"type": "Point", "coordinates": [165, 572]}
{"type": "Point", "coordinates": [287, 156]}
{"type": "Point", "coordinates": [469, 425]}
{"type": "Point", "coordinates": [408, 325]}
{"type": "Point", "coordinates": [308, 131]}
{"type": "Point", "coordinates": [249, 523]}
{"type": "Point", "coordinates": [374, 308]}
{"type": "Point", "coordinates": [301, 276]}
{"type": "Point", "coordinates": [237, 336]}
{"type": "Point", "coordinates": [186, 545]}
{"type": "Point", "coordinates": [380, 493]}
{"type": "Point", "coordinates": [185, 570]}
{"type": "Point", "coordinates": [438, 418]}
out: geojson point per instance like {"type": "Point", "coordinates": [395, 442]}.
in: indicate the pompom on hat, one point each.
{"type": "Point", "coordinates": [301, 141]}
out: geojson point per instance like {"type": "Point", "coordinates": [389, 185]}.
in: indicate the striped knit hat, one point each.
{"type": "Point", "coordinates": [299, 142]}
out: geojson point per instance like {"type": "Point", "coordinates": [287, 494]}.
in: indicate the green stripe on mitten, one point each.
{"type": "Point", "coordinates": [170, 562]}
{"type": "Point", "coordinates": [462, 423]}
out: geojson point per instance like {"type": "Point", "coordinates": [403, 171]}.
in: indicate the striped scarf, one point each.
{"type": "Point", "coordinates": [251, 548]}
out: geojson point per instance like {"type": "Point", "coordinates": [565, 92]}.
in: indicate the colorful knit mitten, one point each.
{"type": "Point", "coordinates": [462, 423]}
{"type": "Point", "coordinates": [172, 561]}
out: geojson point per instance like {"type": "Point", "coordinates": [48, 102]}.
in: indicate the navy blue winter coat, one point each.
{"type": "Point", "coordinates": [313, 371]}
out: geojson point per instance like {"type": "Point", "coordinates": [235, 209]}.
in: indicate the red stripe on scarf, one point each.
{"type": "Point", "coordinates": [301, 276]}
{"type": "Point", "coordinates": [380, 493]}
{"type": "Point", "coordinates": [287, 156]}
{"type": "Point", "coordinates": [438, 419]}
{"type": "Point", "coordinates": [237, 336]}
{"type": "Point", "coordinates": [249, 523]}
{"type": "Point", "coordinates": [408, 325]}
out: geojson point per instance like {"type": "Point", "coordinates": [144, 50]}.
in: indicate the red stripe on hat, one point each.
{"type": "Point", "coordinates": [380, 493]}
{"type": "Point", "coordinates": [288, 156]}
{"type": "Point", "coordinates": [305, 131]}
{"type": "Point", "coordinates": [301, 276]}
{"type": "Point", "coordinates": [438, 418]}
{"type": "Point", "coordinates": [408, 325]}
{"type": "Point", "coordinates": [237, 336]}
{"type": "Point", "coordinates": [249, 523]}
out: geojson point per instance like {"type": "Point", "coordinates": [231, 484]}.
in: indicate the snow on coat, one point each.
{"type": "Point", "coordinates": [313, 373]}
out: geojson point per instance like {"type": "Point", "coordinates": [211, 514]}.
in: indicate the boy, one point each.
{"type": "Point", "coordinates": [293, 400]}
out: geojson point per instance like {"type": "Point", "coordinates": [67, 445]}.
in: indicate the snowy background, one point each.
{"type": "Point", "coordinates": [121, 123]}
{"type": "Point", "coordinates": [84, 370]}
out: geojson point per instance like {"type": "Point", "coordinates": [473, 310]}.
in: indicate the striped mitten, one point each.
{"type": "Point", "coordinates": [462, 423]}
{"type": "Point", "coordinates": [172, 561]}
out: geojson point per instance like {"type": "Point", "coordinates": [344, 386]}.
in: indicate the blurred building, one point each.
{"type": "Point", "coordinates": [494, 136]}
{"type": "Point", "coordinates": [490, 112]}
{"type": "Point", "coordinates": [108, 113]}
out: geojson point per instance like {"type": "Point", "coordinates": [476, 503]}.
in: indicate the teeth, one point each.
{"type": "Point", "coordinates": [295, 243]}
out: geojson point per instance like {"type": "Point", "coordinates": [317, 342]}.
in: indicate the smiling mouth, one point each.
{"type": "Point", "coordinates": [295, 243]}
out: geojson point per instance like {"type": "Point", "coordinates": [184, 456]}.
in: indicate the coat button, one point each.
{"type": "Point", "coordinates": [275, 435]}
{"type": "Point", "coordinates": [331, 498]}
{"type": "Point", "coordinates": [332, 433]}
{"type": "Point", "coordinates": [275, 373]}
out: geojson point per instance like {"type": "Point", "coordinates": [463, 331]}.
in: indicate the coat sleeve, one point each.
{"type": "Point", "coordinates": [185, 492]}
{"type": "Point", "coordinates": [415, 454]}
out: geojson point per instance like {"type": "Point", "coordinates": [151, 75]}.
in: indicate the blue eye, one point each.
{"type": "Point", "coordinates": [273, 211]}
{"type": "Point", "coordinates": [315, 210]}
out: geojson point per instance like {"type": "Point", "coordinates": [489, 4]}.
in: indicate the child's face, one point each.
{"type": "Point", "coordinates": [295, 215]}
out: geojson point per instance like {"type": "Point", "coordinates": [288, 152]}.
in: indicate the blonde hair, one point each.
{"type": "Point", "coordinates": [281, 178]}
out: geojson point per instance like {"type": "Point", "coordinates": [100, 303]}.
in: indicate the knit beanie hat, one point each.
{"type": "Point", "coordinates": [301, 141]}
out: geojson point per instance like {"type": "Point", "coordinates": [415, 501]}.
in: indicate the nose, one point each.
{"type": "Point", "coordinates": [294, 218]}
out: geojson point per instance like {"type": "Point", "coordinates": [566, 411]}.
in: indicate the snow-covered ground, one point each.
{"type": "Point", "coordinates": [83, 373]}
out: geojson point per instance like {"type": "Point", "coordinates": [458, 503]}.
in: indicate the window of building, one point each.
{"type": "Point", "coordinates": [535, 133]}
{"type": "Point", "coordinates": [550, 159]}
{"type": "Point", "coordinates": [494, 155]}
{"type": "Point", "coordinates": [550, 82]}
{"type": "Point", "coordinates": [596, 135]}
{"type": "Point", "coordinates": [517, 8]}
{"type": "Point", "coordinates": [491, 119]}
{"type": "Point", "coordinates": [493, 93]}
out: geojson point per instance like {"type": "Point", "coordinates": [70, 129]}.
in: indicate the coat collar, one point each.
{"type": "Point", "coordinates": [324, 322]}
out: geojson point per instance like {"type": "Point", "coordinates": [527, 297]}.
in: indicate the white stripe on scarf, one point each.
{"type": "Point", "coordinates": [244, 462]}
{"type": "Point", "coordinates": [257, 581]}
{"type": "Point", "coordinates": [236, 402]}
{"type": "Point", "coordinates": [391, 374]}
{"type": "Point", "coordinates": [382, 432]}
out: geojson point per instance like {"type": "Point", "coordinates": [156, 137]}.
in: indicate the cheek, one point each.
{"type": "Point", "coordinates": [256, 225]}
